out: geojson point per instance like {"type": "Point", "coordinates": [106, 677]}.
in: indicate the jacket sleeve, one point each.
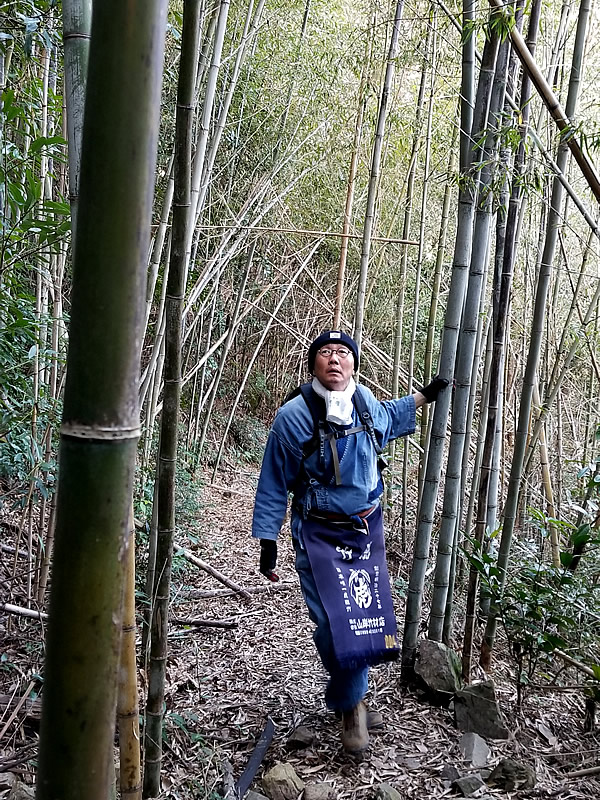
{"type": "Point", "coordinates": [394, 418]}
{"type": "Point", "coordinates": [279, 471]}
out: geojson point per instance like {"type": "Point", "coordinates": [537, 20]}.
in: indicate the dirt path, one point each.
{"type": "Point", "coordinates": [224, 683]}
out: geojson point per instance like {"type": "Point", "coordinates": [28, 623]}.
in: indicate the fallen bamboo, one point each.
{"type": "Point", "coordinates": [23, 612]}
{"type": "Point", "coordinates": [212, 571]}
{"type": "Point", "coordinates": [17, 708]}
{"type": "Point", "coordinates": [203, 623]}
{"type": "Point", "coordinates": [580, 773]}
{"type": "Point", "coordinates": [573, 662]}
{"type": "Point", "coordinates": [309, 232]}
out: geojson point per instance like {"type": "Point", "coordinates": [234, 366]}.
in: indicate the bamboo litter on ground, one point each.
{"type": "Point", "coordinates": [222, 684]}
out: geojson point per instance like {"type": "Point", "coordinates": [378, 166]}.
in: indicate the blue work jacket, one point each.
{"type": "Point", "coordinates": [314, 486]}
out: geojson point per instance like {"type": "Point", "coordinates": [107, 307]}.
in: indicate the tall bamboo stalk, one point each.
{"type": "Point", "coordinates": [401, 286]}
{"type": "Point", "coordinates": [458, 284]}
{"type": "Point", "coordinates": [128, 713]}
{"type": "Point", "coordinates": [167, 456]}
{"type": "Point", "coordinates": [77, 21]}
{"type": "Point", "coordinates": [512, 500]}
{"type": "Point", "coordinates": [101, 417]}
{"type": "Point", "coordinates": [435, 296]}
{"type": "Point", "coordinates": [362, 104]}
{"type": "Point", "coordinates": [431, 56]}
{"type": "Point", "coordinates": [560, 116]}
{"type": "Point", "coordinates": [374, 174]}
{"type": "Point", "coordinates": [466, 354]}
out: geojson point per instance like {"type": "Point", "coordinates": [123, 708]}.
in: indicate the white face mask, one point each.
{"type": "Point", "coordinates": [338, 405]}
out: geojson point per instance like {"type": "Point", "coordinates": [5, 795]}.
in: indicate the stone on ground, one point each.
{"type": "Point", "coordinates": [386, 792]}
{"type": "Point", "coordinates": [300, 738]}
{"type": "Point", "coordinates": [474, 749]}
{"type": "Point", "coordinates": [468, 785]}
{"type": "Point", "coordinates": [438, 666]}
{"type": "Point", "coordinates": [476, 709]}
{"type": "Point", "coordinates": [449, 773]}
{"type": "Point", "coordinates": [511, 775]}
{"type": "Point", "coordinates": [319, 791]}
{"type": "Point", "coordinates": [282, 783]}
{"type": "Point", "coordinates": [252, 795]}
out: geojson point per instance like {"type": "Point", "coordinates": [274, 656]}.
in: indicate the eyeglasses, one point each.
{"type": "Point", "coordinates": [341, 352]}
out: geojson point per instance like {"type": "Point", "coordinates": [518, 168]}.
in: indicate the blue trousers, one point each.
{"type": "Point", "coordinates": [346, 687]}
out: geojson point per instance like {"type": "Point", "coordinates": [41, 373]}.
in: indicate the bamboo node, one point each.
{"type": "Point", "coordinates": [100, 433]}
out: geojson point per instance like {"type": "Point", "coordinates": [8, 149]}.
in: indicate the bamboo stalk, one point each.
{"type": "Point", "coordinates": [167, 457]}
{"type": "Point", "coordinates": [128, 712]}
{"type": "Point", "coordinates": [556, 111]}
{"type": "Point", "coordinates": [369, 223]}
{"type": "Point", "coordinates": [101, 415]}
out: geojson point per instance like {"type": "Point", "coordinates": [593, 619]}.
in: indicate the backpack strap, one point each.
{"type": "Point", "coordinates": [365, 417]}
{"type": "Point", "coordinates": [323, 433]}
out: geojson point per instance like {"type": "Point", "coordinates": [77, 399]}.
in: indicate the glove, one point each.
{"type": "Point", "coordinates": [431, 391]}
{"type": "Point", "coordinates": [268, 559]}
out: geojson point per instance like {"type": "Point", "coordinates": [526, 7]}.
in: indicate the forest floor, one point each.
{"type": "Point", "coordinates": [223, 684]}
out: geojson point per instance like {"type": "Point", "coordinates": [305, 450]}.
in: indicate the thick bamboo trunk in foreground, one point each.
{"type": "Point", "coordinates": [100, 419]}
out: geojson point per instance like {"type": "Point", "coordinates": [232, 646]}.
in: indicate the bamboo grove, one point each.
{"type": "Point", "coordinates": [419, 173]}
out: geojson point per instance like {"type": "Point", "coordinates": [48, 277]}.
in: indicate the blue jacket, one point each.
{"type": "Point", "coordinates": [361, 483]}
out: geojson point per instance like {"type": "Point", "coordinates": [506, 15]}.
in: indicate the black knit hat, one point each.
{"type": "Point", "coordinates": [329, 337]}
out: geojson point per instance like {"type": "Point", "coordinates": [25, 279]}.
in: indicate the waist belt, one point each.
{"type": "Point", "coordinates": [342, 517]}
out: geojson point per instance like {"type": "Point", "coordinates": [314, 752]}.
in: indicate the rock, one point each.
{"type": "Point", "coordinates": [386, 792]}
{"type": "Point", "coordinates": [510, 775]}
{"type": "Point", "coordinates": [300, 738]}
{"type": "Point", "coordinates": [409, 762]}
{"type": "Point", "coordinates": [319, 791]}
{"type": "Point", "coordinates": [252, 795]}
{"type": "Point", "coordinates": [474, 749]}
{"type": "Point", "coordinates": [282, 783]}
{"type": "Point", "coordinates": [476, 709]}
{"type": "Point", "coordinates": [449, 773]}
{"type": "Point", "coordinates": [20, 791]}
{"type": "Point", "coordinates": [468, 784]}
{"type": "Point", "coordinates": [439, 667]}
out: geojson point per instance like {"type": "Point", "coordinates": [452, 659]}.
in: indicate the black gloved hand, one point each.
{"type": "Point", "coordinates": [268, 559]}
{"type": "Point", "coordinates": [431, 391]}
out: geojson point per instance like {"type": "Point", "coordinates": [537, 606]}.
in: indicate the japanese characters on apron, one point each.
{"type": "Point", "coordinates": [350, 572]}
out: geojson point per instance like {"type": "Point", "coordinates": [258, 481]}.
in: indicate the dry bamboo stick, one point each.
{"type": "Point", "coordinates": [580, 773]}
{"type": "Point", "coordinates": [212, 571]}
{"type": "Point", "coordinates": [23, 612]}
{"type": "Point", "coordinates": [203, 623]}
{"type": "Point", "coordinates": [309, 232]}
{"type": "Point", "coordinates": [17, 709]}
{"type": "Point", "coordinates": [573, 661]}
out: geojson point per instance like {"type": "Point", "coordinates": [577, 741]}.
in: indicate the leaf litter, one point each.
{"type": "Point", "coordinates": [222, 684]}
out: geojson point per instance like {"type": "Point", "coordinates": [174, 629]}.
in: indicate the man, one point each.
{"type": "Point", "coordinates": [336, 522]}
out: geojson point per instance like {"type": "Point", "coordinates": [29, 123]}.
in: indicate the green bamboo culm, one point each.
{"type": "Point", "coordinates": [101, 415]}
{"type": "Point", "coordinates": [167, 454]}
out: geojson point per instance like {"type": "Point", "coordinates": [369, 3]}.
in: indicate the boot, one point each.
{"type": "Point", "coordinates": [374, 718]}
{"type": "Point", "coordinates": [355, 736]}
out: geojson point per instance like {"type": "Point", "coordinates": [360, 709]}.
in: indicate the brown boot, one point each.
{"type": "Point", "coordinates": [374, 718]}
{"type": "Point", "coordinates": [355, 736]}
